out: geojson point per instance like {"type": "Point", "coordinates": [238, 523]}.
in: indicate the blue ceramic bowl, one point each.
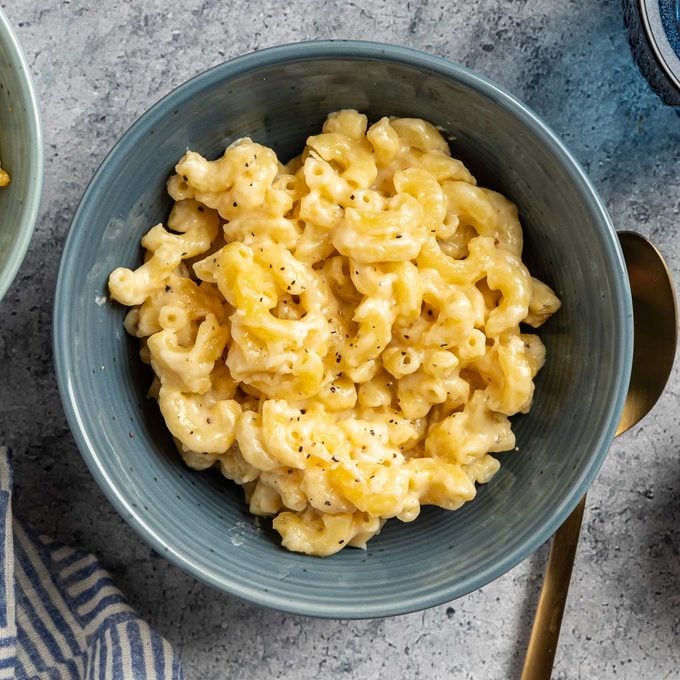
{"type": "Point", "coordinates": [21, 154]}
{"type": "Point", "coordinates": [199, 521]}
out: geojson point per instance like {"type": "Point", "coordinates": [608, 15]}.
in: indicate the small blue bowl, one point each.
{"type": "Point", "coordinates": [21, 154]}
{"type": "Point", "coordinates": [200, 521]}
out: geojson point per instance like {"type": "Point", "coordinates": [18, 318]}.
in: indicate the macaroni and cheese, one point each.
{"type": "Point", "coordinates": [340, 335]}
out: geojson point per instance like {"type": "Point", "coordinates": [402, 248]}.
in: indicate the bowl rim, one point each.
{"type": "Point", "coordinates": [29, 213]}
{"type": "Point", "coordinates": [345, 49]}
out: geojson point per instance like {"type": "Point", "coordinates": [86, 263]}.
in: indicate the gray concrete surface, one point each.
{"type": "Point", "coordinates": [97, 66]}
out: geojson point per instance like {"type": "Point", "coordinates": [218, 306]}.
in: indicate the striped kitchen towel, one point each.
{"type": "Point", "coordinates": [61, 616]}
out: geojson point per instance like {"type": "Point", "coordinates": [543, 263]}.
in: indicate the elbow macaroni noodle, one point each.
{"type": "Point", "coordinates": [341, 334]}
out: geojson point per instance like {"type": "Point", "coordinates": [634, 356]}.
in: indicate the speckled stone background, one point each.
{"type": "Point", "coordinates": [97, 66]}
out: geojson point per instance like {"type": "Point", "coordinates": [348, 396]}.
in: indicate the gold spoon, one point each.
{"type": "Point", "coordinates": [655, 321]}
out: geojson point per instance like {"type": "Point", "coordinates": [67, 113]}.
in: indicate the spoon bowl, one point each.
{"type": "Point", "coordinates": [655, 323]}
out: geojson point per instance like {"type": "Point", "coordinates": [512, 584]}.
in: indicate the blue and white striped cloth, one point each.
{"type": "Point", "coordinates": [61, 616]}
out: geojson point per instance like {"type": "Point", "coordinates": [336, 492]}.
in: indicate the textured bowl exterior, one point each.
{"type": "Point", "coordinates": [199, 521]}
{"type": "Point", "coordinates": [21, 153]}
{"type": "Point", "coordinates": [654, 41]}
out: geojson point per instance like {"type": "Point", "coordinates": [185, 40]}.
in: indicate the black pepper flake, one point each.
{"type": "Point", "coordinates": [200, 208]}
{"type": "Point", "coordinates": [398, 236]}
{"type": "Point", "coordinates": [429, 312]}
{"type": "Point", "coordinates": [403, 354]}
{"type": "Point", "coordinates": [191, 432]}
{"type": "Point", "coordinates": [207, 420]}
{"type": "Point", "coordinates": [372, 432]}
{"type": "Point", "coordinates": [334, 459]}
{"type": "Point", "coordinates": [168, 289]}
{"type": "Point", "coordinates": [299, 449]}
{"type": "Point", "coordinates": [326, 502]}
{"type": "Point", "coordinates": [351, 198]}
{"type": "Point", "coordinates": [443, 344]}
{"type": "Point", "coordinates": [185, 178]}
{"type": "Point", "coordinates": [247, 166]}
{"type": "Point", "coordinates": [303, 411]}
{"type": "Point", "coordinates": [235, 204]}
{"type": "Point", "coordinates": [333, 388]}
{"type": "Point", "coordinates": [341, 541]}
{"type": "Point", "coordinates": [282, 269]}
{"type": "Point", "coordinates": [406, 337]}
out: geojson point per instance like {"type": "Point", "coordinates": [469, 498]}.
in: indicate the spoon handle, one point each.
{"type": "Point", "coordinates": [545, 632]}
